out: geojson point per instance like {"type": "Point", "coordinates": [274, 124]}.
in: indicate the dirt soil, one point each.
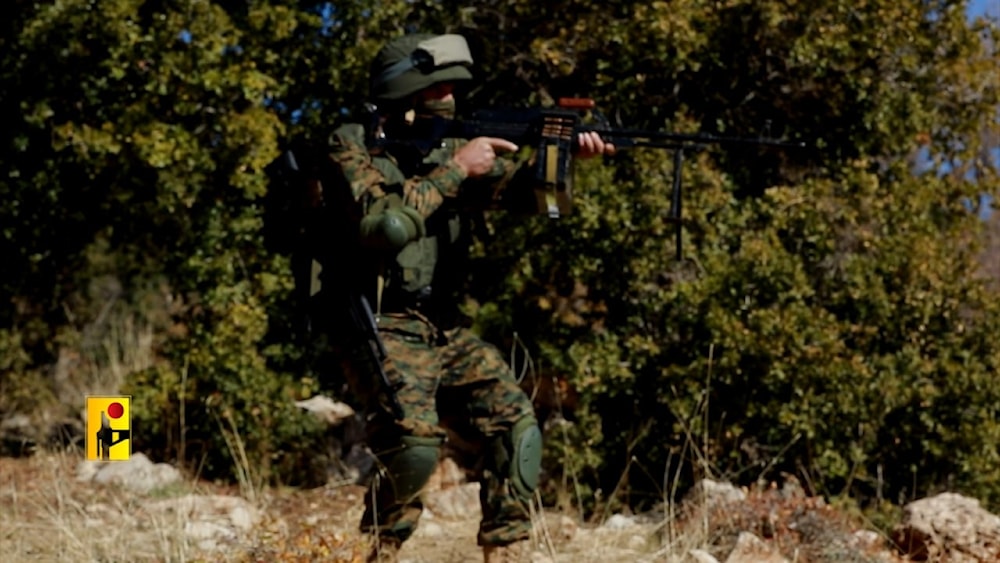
{"type": "Point", "coordinates": [46, 514]}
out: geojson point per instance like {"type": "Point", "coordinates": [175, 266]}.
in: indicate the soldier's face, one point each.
{"type": "Point", "coordinates": [440, 92]}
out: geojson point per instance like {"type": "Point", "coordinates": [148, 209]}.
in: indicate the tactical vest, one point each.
{"type": "Point", "coordinates": [416, 275]}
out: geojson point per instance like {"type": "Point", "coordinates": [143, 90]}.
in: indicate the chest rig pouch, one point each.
{"type": "Point", "coordinates": [411, 272]}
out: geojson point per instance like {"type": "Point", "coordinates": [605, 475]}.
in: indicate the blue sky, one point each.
{"type": "Point", "coordinates": [984, 7]}
{"type": "Point", "coordinates": [989, 8]}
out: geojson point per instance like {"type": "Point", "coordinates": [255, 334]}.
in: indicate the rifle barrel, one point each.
{"type": "Point", "coordinates": [523, 127]}
{"type": "Point", "coordinates": [665, 139]}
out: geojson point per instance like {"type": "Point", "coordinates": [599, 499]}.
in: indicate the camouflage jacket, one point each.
{"type": "Point", "coordinates": [441, 192]}
{"type": "Point", "coordinates": [433, 182]}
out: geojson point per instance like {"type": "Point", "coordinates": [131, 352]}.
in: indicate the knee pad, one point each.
{"type": "Point", "coordinates": [518, 455]}
{"type": "Point", "coordinates": [409, 468]}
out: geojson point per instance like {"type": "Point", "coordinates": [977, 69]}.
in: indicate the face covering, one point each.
{"type": "Point", "coordinates": [438, 108]}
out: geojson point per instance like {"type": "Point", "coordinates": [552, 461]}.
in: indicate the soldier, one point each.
{"type": "Point", "coordinates": [412, 209]}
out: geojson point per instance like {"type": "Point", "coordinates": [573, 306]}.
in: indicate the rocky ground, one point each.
{"type": "Point", "coordinates": [55, 508]}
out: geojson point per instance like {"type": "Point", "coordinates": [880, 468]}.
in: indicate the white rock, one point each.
{"type": "Point", "coordinates": [455, 503]}
{"type": "Point", "coordinates": [429, 530]}
{"type": "Point", "coordinates": [217, 512]}
{"type": "Point", "coordinates": [949, 527]}
{"type": "Point", "coordinates": [242, 517]}
{"type": "Point", "coordinates": [17, 422]}
{"type": "Point", "coordinates": [702, 556]}
{"type": "Point", "coordinates": [326, 409]}
{"type": "Point", "coordinates": [751, 549]}
{"type": "Point", "coordinates": [85, 470]}
{"type": "Point", "coordinates": [137, 474]}
{"type": "Point", "coordinates": [201, 529]}
{"type": "Point", "coordinates": [619, 522]}
{"type": "Point", "coordinates": [447, 474]}
{"type": "Point", "coordinates": [714, 493]}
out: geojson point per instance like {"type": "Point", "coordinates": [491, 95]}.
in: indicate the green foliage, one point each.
{"type": "Point", "coordinates": [22, 389]}
{"type": "Point", "coordinates": [834, 328]}
{"type": "Point", "coordinates": [146, 134]}
{"type": "Point", "coordinates": [829, 319]}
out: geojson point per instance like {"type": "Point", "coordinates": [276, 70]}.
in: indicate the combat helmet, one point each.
{"type": "Point", "coordinates": [413, 62]}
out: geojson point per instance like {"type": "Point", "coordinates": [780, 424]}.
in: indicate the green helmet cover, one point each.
{"type": "Point", "coordinates": [411, 63]}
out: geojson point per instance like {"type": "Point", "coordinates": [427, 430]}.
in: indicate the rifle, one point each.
{"type": "Point", "coordinates": [371, 351]}
{"type": "Point", "coordinates": [553, 133]}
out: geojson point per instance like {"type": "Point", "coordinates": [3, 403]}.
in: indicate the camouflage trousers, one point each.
{"type": "Point", "coordinates": [459, 383]}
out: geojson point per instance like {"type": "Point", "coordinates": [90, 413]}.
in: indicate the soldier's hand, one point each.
{"type": "Point", "coordinates": [590, 144]}
{"type": "Point", "coordinates": [478, 155]}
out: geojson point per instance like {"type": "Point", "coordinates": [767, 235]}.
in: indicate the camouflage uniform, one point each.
{"type": "Point", "coordinates": [442, 375]}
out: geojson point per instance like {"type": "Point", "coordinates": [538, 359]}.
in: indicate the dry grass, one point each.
{"type": "Point", "coordinates": [47, 515]}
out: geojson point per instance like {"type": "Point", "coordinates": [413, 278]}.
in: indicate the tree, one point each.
{"type": "Point", "coordinates": [833, 328]}
{"type": "Point", "coordinates": [828, 320]}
